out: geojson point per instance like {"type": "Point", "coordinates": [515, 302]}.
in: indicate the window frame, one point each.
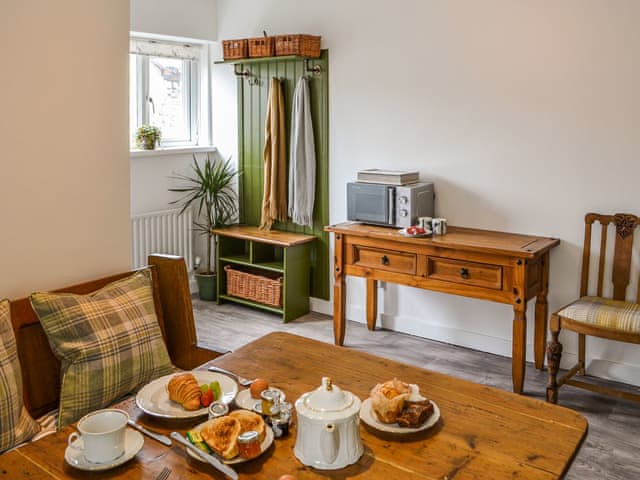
{"type": "Point", "coordinates": [194, 72]}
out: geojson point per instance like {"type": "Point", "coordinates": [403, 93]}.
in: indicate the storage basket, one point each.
{"type": "Point", "coordinates": [234, 49]}
{"type": "Point", "coordinates": [303, 45]}
{"type": "Point", "coordinates": [256, 288]}
{"type": "Point", "coordinates": [262, 46]}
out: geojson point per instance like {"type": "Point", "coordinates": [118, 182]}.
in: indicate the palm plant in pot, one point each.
{"type": "Point", "coordinates": [210, 188]}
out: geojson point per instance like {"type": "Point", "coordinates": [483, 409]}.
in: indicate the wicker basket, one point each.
{"type": "Point", "coordinates": [262, 46]}
{"type": "Point", "coordinates": [256, 288]}
{"type": "Point", "coordinates": [303, 45]}
{"type": "Point", "coordinates": [234, 49]}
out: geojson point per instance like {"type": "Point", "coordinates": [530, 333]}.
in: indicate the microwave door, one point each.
{"type": "Point", "coordinates": [371, 203]}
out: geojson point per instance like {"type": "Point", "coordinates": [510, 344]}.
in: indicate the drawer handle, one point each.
{"type": "Point", "coordinates": [464, 273]}
{"type": "Point", "coordinates": [385, 260]}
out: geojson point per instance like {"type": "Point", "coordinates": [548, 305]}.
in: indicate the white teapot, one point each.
{"type": "Point", "coordinates": [328, 435]}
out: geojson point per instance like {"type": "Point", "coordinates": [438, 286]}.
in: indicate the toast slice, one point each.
{"type": "Point", "coordinates": [221, 434]}
{"type": "Point", "coordinates": [250, 421]}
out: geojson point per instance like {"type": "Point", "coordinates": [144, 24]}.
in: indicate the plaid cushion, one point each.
{"type": "Point", "coordinates": [605, 313]}
{"type": "Point", "coordinates": [109, 342]}
{"type": "Point", "coordinates": [16, 425]}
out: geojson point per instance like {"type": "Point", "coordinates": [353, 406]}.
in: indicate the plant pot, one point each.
{"type": "Point", "coordinates": [206, 286]}
{"type": "Point", "coordinates": [147, 143]}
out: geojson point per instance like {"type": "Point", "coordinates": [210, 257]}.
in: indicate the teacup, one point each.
{"type": "Point", "coordinates": [102, 433]}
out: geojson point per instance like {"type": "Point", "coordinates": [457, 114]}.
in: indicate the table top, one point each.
{"type": "Point", "coordinates": [273, 237]}
{"type": "Point", "coordinates": [459, 238]}
{"type": "Point", "coordinates": [483, 432]}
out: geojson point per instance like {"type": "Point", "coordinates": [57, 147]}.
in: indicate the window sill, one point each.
{"type": "Point", "coordinates": [171, 151]}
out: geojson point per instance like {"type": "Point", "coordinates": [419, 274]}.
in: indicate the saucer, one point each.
{"type": "Point", "coordinates": [246, 401]}
{"type": "Point", "coordinates": [133, 442]}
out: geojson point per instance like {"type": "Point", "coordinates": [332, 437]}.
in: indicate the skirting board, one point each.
{"type": "Point", "coordinates": [616, 371]}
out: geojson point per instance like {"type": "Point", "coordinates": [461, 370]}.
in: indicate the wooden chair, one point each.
{"type": "Point", "coordinates": [611, 318]}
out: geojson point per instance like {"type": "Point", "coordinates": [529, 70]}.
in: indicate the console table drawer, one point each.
{"type": "Point", "coordinates": [390, 260]}
{"type": "Point", "coordinates": [468, 273]}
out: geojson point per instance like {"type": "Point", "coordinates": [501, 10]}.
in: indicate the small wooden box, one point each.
{"type": "Point", "coordinates": [234, 49]}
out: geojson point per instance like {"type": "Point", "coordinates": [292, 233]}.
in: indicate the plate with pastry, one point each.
{"type": "Point", "coordinates": [185, 394]}
{"type": "Point", "coordinates": [232, 438]}
{"type": "Point", "coordinates": [398, 407]}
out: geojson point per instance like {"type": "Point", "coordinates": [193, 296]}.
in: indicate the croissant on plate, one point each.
{"type": "Point", "coordinates": [184, 389]}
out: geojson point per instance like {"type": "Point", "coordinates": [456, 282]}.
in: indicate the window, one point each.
{"type": "Point", "coordinates": [164, 90]}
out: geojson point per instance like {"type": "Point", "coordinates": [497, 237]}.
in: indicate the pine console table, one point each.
{"type": "Point", "coordinates": [496, 266]}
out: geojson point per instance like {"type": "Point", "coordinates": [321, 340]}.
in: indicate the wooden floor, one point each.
{"type": "Point", "coordinates": [611, 450]}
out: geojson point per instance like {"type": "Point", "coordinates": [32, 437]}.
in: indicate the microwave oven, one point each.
{"type": "Point", "coordinates": [397, 206]}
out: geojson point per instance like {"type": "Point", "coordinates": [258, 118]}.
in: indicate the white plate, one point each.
{"type": "Point", "coordinates": [368, 417]}
{"type": "Point", "coordinates": [153, 398]}
{"type": "Point", "coordinates": [133, 442]}
{"type": "Point", "coordinates": [427, 233]}
{"type": "Point", "coordinates": [246, 401]}
{"type": "Point", "coordinates": [266, 443]}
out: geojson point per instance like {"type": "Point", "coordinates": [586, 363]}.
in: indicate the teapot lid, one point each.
{"type": "Point", "coordinates": [328, 398]}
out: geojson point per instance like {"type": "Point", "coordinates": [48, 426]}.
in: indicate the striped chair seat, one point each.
{"type": "Point", "coordinates": [603, 312]}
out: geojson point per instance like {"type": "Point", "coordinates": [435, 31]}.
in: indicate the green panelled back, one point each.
{"type": "Point", "coordinates": [252, 105]}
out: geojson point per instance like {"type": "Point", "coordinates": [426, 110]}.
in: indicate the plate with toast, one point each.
{"type": "Point", "coordinates": [219, 436]}
{"type": "Point", "coordinates": [179, 395]}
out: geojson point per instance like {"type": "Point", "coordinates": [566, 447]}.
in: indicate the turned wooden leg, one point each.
{"type": "Point", "coordinates": [554, 353]}
{"type": "Point", "coordinates": [372, 303]}
{"type": "Point", "coordinates": [518, 349]}
{"type": "Point", "coordinates": [339, 293]}
{"type": "Point", "coordinates": [540, 330]}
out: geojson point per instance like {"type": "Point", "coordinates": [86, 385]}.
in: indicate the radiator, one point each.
{"type": "Point", "coordinates": [161, 232]}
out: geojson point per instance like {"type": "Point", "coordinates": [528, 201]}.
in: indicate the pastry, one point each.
{"type": "Point", "coordinates": [184, 389]}
{"type": "Point", "coordinates": [388, 398]}
{"type": "Point", "coordinates": [250, 421]}
{"type": "Point", "coordinates": [221, 435]}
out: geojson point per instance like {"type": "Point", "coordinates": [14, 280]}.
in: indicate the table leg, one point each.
{"type": "Point", "coordinates": [542, 311]}
{"type": "Point", "coordinates": [518, 349]}
{"type": "Point", "coordinates": [339, 292]}
{"type": "Point", "coordinates": [372, 303]}
{"type": "Point", "coordinates": [519, 338]}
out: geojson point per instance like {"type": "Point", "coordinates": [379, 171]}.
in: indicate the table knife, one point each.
{"type": "Point", "coordinates": [156, 436]}
{"type": "Point", "coordinates": [217, 464]}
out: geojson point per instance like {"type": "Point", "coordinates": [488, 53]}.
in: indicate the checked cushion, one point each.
{"type": "Point", "coordinates": [603, 312]}
{"type": "Point", "coordinates": [16, 425]}
{"type": "Point", "coordinates": [109, 343]}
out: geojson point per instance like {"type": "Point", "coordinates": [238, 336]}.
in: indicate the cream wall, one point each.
{"type": "Point", "coordinates": [526, 115]}
{"type": "Point", "coordinates": [184, 18]}
{"type": "Point", "coordinates": [64, 166]}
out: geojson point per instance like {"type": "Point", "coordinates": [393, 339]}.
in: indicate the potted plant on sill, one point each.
{"type": "Point", "coordinates": [147, 137]}
{"type": "Point", "coordinates": [210, 187]}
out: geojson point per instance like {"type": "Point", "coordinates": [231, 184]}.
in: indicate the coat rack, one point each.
{"type": "Point", "coordinates": [315, 70]}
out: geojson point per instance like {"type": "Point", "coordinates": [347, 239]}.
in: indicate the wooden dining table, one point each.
{"type": "Point", "coordinates": [482, 433]}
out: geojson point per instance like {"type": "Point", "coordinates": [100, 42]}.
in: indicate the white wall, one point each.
{"type": "Point", "coordinates": [64, 166]}
{"type": "Point", "coordinates": [184, 18]}
{"type": "Point", "coordinates": [193, 19]}
{"type": "Point", "coordinates": [524, 114]}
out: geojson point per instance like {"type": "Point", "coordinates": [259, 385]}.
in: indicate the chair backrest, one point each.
{"type": "Point", "coordinates": [625, 226]}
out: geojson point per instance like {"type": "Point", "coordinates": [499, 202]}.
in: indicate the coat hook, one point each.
{"type": "Point", "coordinates": [246, 73]}
{"type": "Point", "coordinates": [315, 69]}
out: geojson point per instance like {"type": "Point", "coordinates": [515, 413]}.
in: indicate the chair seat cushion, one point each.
{"type": "Point", "coordinates": [606, 313]}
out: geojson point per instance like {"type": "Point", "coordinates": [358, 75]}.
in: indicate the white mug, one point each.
{"type": "Point", "coordinates": [102, 433]}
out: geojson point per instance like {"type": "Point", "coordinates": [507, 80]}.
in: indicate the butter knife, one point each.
{"type": "Point", "coordinates": [217, 464]}
{"type": "Point", "coordinates": [156, 436]}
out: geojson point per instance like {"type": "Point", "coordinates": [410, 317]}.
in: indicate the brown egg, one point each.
{"type": "Point", "coordinates": [258, 385]}
{"type": "Point", "coordinates": [287, 477]}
